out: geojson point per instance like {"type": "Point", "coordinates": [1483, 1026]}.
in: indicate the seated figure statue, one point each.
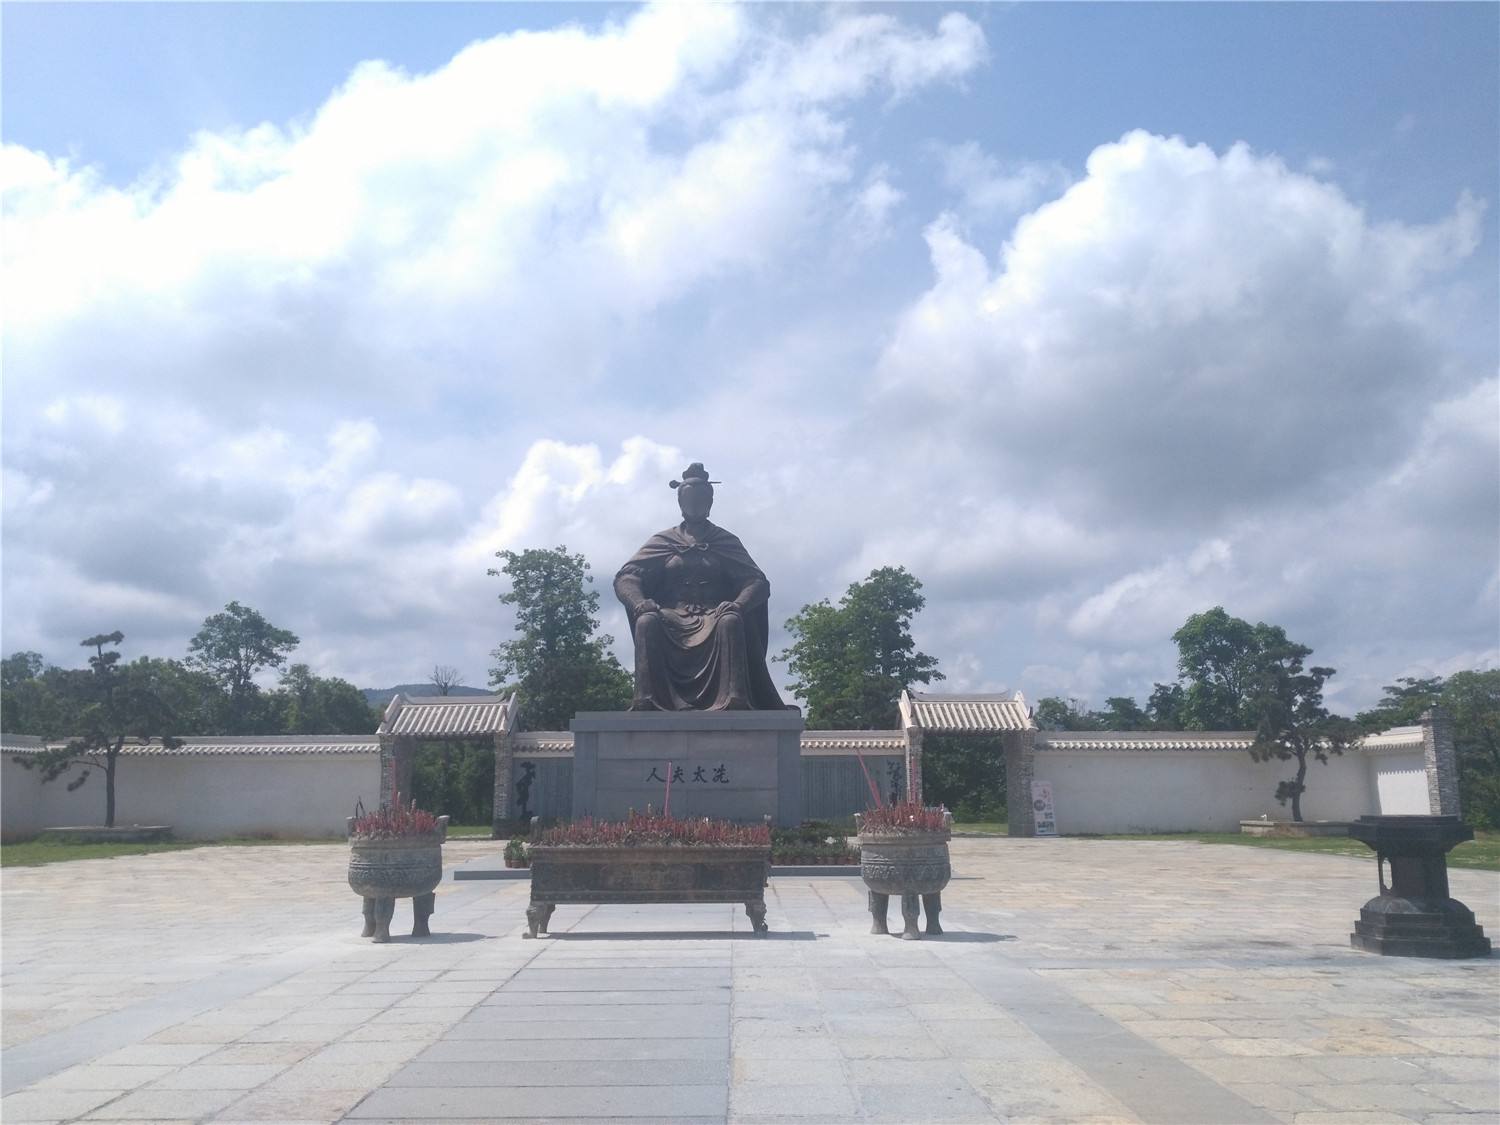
{"type": "Point", "coordinates": [697, 608]}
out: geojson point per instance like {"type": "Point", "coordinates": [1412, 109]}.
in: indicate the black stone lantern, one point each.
{"type": "Point", "coordinates": [1413, 915]}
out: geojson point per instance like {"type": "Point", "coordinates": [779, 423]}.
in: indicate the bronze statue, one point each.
{"type": "Point", "coordinates": [697, 608]}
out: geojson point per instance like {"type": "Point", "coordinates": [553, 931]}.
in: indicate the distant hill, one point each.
{"type": "Point", "coordinates": [379, 697]}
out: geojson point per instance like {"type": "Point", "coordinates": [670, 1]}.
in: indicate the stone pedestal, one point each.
{"type": "Point", "coordinates": [729, 765]}
{"type": "Point", "coordinates": [1413, 915]}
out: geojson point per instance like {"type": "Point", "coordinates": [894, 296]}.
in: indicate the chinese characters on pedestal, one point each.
{"type": "Point", "coordinates": [719, 775]}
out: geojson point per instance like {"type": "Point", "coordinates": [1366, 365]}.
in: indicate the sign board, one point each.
{"type": "Point", "coordinates": [1041, 807]}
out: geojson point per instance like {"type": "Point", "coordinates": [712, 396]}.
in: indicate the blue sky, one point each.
{"type": "Point", "coordinates": [1305, 79]}
{"type": "Point", "coordinates": [1091, 315]}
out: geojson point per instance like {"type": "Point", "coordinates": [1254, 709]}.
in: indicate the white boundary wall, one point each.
{"type": "Point", "coordinates": [1171, 786]}
{"type": "Point", "coordinates": [1179, 790]}
{"type": "Point", "coordinates": [201, 796]}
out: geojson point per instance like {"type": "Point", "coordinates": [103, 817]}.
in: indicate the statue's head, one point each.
{"type": "Point", "coordinates": [695, 492]}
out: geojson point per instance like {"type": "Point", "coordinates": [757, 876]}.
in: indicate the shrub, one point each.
{"type": "Point", "coordinates": [838, 852]}
{"type": "Point", "coordinates": [1481, 801]}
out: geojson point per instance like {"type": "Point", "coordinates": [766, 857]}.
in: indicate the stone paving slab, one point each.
{"type": "Point", "coordinates": [1080, 981]}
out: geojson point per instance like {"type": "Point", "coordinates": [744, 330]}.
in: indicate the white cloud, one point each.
{"type": "Point", "coordinates": [330, 366]}
{"type": "Point", "coordinates": [1155, 601]}
{"type": "Point", "coordinates": [1190, 319]}
{"type": "Point", "coordinates": [521, 204]}
{"type": "Point", "coordinates": [989, 188]}
{"type": "Point", "coordinates": [855, 53]}
{"type": "Point", "coordinates": [870, 213]}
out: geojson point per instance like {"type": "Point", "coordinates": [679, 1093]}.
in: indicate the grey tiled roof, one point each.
{"type": "Point", "coordinates": [21, 744]}
{"type": "Point", "coordinates": [543, 742]}
{"type": "Point", "coordinates": [1397, 738]}
{"type": "Point", "coordinates": [813, 741]}
{"type": "Point", "coordinates": [1144, 740]}
{"type": "Point", "coordinates": [447, 715]}
{"type": "Point", "coordinates": [245, 744]}
{"type": "Point", "coordinates": [1394, 739]}
{"type": "Point", "coordinates": [967, 714]}
{"type": "Point", "coordinates": [843, 741]}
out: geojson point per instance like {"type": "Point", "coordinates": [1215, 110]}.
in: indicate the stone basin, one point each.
{"type": "Point", "coordinates": [1414, 915]}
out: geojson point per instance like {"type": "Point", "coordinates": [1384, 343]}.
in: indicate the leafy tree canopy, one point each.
{"type": "Point", "coordinates": [1402, 703]}
{"type": "Point", "coordinates": [1216, 659]}
{"type": "Point", "coordinates": [852, 660]}
{"type": "Point", "coordinates": [966, 774]}
{"type": "Point", "coordinates": [1120, 712]}
{"type": "Point", "coordinates": [1286, 696]}
{"type": "Point", "coordinates": [555, 660]}
{"type": "Point", "coordinates": [1052, 712]}
{"type": "Point", "coordinates": [33, 699]}
{"type": "Point", "coordinates": [107, 705]}
{"type": "Point", "coordinates": [230, 649]}
{"type": "Point", "coordinates": [310, 704]}
{"type": "Point", "coordinates": [1166, 705]}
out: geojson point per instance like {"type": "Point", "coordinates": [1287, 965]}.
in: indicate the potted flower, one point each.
{"type": "Point", "coordinates": [903, 850]}
{"type": "Point", "coordinates": [515, 853]}
{"type": "Point", "coordinates": [395, 852]}
{"type": "Point", "coordinates": [649, 858]}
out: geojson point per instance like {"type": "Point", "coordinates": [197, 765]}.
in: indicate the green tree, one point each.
{"type": "Point", "coordinates": [1292, 723]}
{"type": "Point", "coordinates": [1472, 700]}
{"type": "Point", "coordinates": [309, 704]}
{"type": "Point", "coordinates": [1165, 706]}
{"type": "Point", "coordinates": [1403, 703]}
{"type": "Point", "coordinates": [33, 699]}
{"type": "Point", "coordinates": [1216, 659]}
{"type": "Point", "coordinates": [230, 649]}
{"type": "Point", "coordinates": [112, 702]}
{"type": "Point", "coordinates": [17, 669]}
{"type": "Point", "coordinates": [1122, 713]}
{"type": "Point", "coordinates": [555, 661]}
{"type": "Point", "coordinates": [965, 774]}
{"type": "Point", "coordinates": [1052, 712]}
{"type": "Point", "coordinates": [851, 661]}
{"type": "Point", "coordinates": [456, 778]}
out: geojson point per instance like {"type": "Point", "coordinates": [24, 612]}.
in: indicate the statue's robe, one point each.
{"type": "Point", "coordinates": [688, 655]}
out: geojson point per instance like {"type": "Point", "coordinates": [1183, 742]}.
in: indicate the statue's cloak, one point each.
{"type": "Point", "coordinates": [649, 564]}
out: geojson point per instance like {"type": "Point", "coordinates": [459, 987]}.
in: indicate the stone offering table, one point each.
{"type": "Point", "coordinates": [599, 875]}
{"type": "Point", "coordinates": [1414, 916]}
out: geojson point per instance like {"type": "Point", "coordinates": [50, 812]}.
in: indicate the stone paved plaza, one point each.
{"type": "Point", "coordinates": [1079, 981]}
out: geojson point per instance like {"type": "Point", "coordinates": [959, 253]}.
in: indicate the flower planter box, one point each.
{"type": "Point", "coordinates": [913, 865]}
{"type": "Point", "coordinates": [383, 870]}
{"type": "Point", "coordinates": [601, 875]}
{"type": "Point", "coordinates": [98, 834]}
{"type": "Point", "coordinates": [1294, 829]}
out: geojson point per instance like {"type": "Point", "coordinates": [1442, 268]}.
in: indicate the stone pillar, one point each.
{"type": "Point", "coordinates": [914, 764]}
{"type": "Point", "coordinates": [1442, 762]}
{"type": "Point", "coordinates": [505, 755]}
{"type": "Point", "coordinates": [1020, 768]}
{"type": "Point", "coordinates": [397, 756]}
{"type": "Point", "coordinates": [387, 768]}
